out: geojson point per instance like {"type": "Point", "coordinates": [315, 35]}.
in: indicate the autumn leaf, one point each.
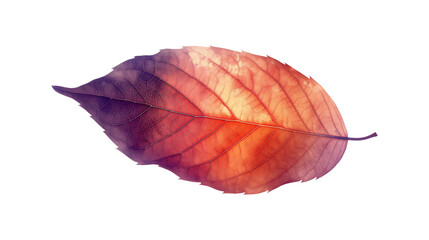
{"type": "Point", "coordinates": [233, 121]}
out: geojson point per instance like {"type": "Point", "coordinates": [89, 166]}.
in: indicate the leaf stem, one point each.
{"type": "Point", "coordinates": [357, 139]}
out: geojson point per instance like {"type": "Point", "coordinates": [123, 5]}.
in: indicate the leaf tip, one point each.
{"type": "Point", "coordinates": [62, 90]}
{"type": "Point", "coordinates": [58, 89]}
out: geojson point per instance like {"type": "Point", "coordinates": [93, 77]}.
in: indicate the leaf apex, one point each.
{"type": "Point", "coordinates": [59, 89]}
{"type": "Point", "coordinates": [63, 90]}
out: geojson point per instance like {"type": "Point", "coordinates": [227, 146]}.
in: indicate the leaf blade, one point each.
{"type": "Point", "coordinates": [233, 121]}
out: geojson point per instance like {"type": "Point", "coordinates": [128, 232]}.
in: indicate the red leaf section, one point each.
{"type": "Point", "coordinates": [233, 121]}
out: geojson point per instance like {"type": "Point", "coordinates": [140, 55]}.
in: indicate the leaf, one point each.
{"type": "Point", "coordinates": [233, 121]}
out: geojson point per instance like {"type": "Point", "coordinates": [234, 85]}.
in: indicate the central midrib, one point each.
{"type": "Point", "coordinates": [228, 120]}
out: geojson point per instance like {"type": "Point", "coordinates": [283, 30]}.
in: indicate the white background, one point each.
{"type": "Point", "coordinates": [62, 178]}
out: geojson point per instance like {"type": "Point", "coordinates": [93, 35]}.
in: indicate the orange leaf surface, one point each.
{"type": "Point", "coordinates": [233, 121]}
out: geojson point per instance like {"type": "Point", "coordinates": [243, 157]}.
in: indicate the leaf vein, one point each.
{"type": "Point", "coordinates": [283, 90]}
{"type": "Point", "coordinates": [248, 89]}
{"type": "Point", "coordinates": [226, 150]}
